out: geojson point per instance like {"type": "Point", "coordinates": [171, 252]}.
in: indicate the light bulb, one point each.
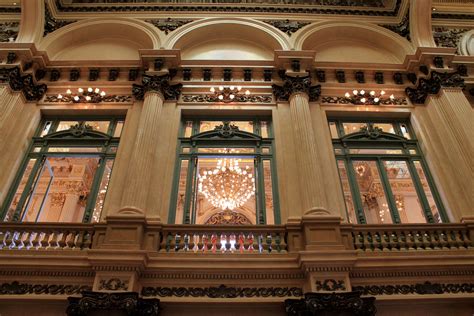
{"type": "Point", "coordinates": [355, 92]}
{"type": "Point", "coordinates": [362, 92]}
{"type": "Point", "coordinates": [392, 97]}
{"type": "Point", "coordinates": [247, 92]}
{"type": "Point", "coordinates": [231, 87]}
{"type": "Point", "coordinates": [372, 93]}
{"type": "Point", "coordinates": [97, 90]}
{"type": "Point", "coordinates": [347, 95]}
{"type": "Point", "coordinates": [89, 89]}
{"type": "Point", "coordinates": [221, 88]}
{"type": "Point", "coordinates": [212, 90]}
{"type": "Point", "coordinates": [221, 97]}
{"type": "Point", "coordinates": [376, 100]}
{"type": "Point", "coordinates": [60, 96]}
{"type": "Point", "coordinates": [102, 93]}
{"type": "Point", "coordinates": [382, 92]}
{"type": "Point", "coordinates": [362, 100]}
{"type": "Point", "coordinates": [88, 98]}
{"type": "Point", "coordinates": [239, 88]}
{"type": "Point", "coordinates": [80, 90]}
{"type": "Point", "coordinates": [232, 96]}
{"type": "Point", "coordinates": [68, 91]}
{"type": "Point", "coordinates": [76, 98]}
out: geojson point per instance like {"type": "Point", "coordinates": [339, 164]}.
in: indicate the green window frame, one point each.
{"type": "Point", "coordinates": [195, 144]}
{"type": "Point", "coordinates": [384, 145]}
{"type": "Point", "coordinates": [57, 138]}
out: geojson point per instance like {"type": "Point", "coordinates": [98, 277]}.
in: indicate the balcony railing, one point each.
{"type": "Point", "coordinates": [411, 237]}
{"type": "Point", "coordinates": [223, 239]}
{"type": "Point", "coordinates": [45, 236]}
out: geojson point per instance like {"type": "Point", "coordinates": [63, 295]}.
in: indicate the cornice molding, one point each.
{"type": "Point", "coordinates": [50, 23]}
{"type": "Point", "coordinates": [418, 288]}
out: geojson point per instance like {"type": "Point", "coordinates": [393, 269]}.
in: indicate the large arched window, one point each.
{"type": "Point", "coordinates": [225, 174]}
{"type": "Point", "coordinates": [65, 175]}
{"type": "Point", "coordinates": [384, 176]}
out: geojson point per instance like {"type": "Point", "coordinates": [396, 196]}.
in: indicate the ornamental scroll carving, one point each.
{"type": "Point", "coordinates": [287, 26]}
{"type": "Point", "coordinates": [296, 84]}
{"type": "Point", "coordinates": [419, 288]}
{"type": "Point", "coordinates": [433, 85]}
{"type": "Point", "coordinates": [114, 284]}
{"type": "Point", "coordinates": [168, 25]}
{"type": "Point", "coordinates": [228, 218]}
{"type": "Point", "coordinates": [159, 84]}
{"type": "Point", "coordinates": [25, 84]}
{"type": "Point", "coordinates": [16, 288]}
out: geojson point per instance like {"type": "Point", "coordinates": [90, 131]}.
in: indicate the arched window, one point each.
{"type": "Point", "coordinates": [64, 177]}
{"type": "Point", "coordinates": [383, 174]}
{"type": "Point", "coordinates": [225, 174]}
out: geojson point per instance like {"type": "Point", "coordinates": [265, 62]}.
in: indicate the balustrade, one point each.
{"type": "Point", "coordinates": [41, 236]}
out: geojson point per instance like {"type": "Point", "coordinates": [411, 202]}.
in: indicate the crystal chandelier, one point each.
{"type": "Point", "coordinates": [83, 95]}
{"type": "Point", "coordinates": [371, 98]}
{"type": "Point", "coordinates": [227, 94]}
{"type": "Point", "coordinates": [227, 186]}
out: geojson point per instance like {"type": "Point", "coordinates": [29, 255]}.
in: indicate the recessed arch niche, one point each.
{"type": "Point", "coordinates": [350, 42]}
{"type": "Point", "coordinates": [227, 40]}
{"type": "Point", "coordinates": [100, 40]}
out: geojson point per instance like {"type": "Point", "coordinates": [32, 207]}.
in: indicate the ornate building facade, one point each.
{"type": "Point", "coordinates": [226, 157]}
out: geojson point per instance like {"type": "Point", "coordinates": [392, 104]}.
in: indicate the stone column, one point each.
{"type": "Point", "coordinates": [298, 91]}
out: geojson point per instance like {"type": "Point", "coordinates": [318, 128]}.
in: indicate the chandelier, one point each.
{"type": "Point", "coordinates": [83, 95]}
{"type": "Point", "coordinates": [227, 186]}
{"type": "Point", "coordinates": [227, 94]}
{"type": "Point", "coordinates": [371, 98]}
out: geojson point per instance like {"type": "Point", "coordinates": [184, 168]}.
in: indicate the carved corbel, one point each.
{"type": "Point", "coordinates": [296, 84]}
{"type": "Point", "coordinates": [159, 84]}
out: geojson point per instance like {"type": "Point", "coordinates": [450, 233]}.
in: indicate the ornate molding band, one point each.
{"type": "Point", "coordinates": [433, 85]}
{"type": "Point", "coordinates": [419, 288]}
{"type": "Point", "coordinates": [159, 84]}
{"type": "Point", "coordinates": [296, 84]}
{"type": "Point", "coordinates": [9, 30]}
{"type": "Point", "coordinates": [168, 25]}
{"type": "Point", "coordinates": [16, 288]}
{"type": "Point", "coordinates": [448, 37]}
{"type": "Point", "coordinates": [50, 23]}
{"type": "Point", "coordinates": [222, 291]}
{"type": "Point", "coordinates": [287, 26]}
{"type": "Point", "coordinates": [25, 84]}
{"type": "Point", "coordinates": [343, 100]}
{"type": "Point", "coordinates": [201, 98]}
{"type": "Point", "coordinates": [402, 28]}
{"type": "Point", "coordinates": [105, 99]}
{"type": "Point", "coordinates": [330, 285]}
{"type": "Point", "coordinates": [114, 284]}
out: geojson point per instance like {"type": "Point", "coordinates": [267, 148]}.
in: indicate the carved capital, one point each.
{"type": "Point", "coordinates": [26, 85]}
{"type": "Point", "coordinates": [159, 84]}
{"type": "Point", "coordinates": [294, 85]}
{"type": "Point", "coordinates": [432, 85]}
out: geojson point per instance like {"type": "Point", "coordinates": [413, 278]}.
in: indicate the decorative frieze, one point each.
{"type": "Point", "coordinates": [159, 84]}
{"type": "Point", "coordinates": [25, 84]}
{"type": "Point", "coordinates": [210, 98]}
{"type": "Point", "coordinates": [344, 100]}
{"type": "Point", "coordinates": [419, 288]}
{"type": "Point", "coordinates": [168, 25]}
{"type": "Point", "coordinates": [105, 99]}
{"type": "Point", "coordinates": [222, 291]}
{"type": "Point", "coordinates": [287, 26]}
{"type": "Point", "coordinates": [296, 84]}
{"type": "Point", "coordinates": [433, 85]}
{"type": "Point", "coordinates": [402, 28]}
{"type": "Point", "coordinates": [9, 31]}
{"type": "Point", "coordinates": [330, 285]}
{"type": "Point", "coordinates": [50, 23]}
{"type": "Point", "coordinates": [448, 37]}
{"type": "Point", "coordinates": [16, 288]}
{"type": "Point", "coordinates": [113, 284]}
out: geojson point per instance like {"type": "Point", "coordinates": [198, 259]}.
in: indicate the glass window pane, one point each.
{"type": "Point", "coordinates": [372, 193]}
{"type": "Point", "coordinates": [347, 192]}
{"type": "Point", "coordinates": [267, 178]}
{"type": "Point", "coordinates": [75, 149]}
{"type": "Point", "coordinates": [101, 126]}
{"type": "Point", "coordinates": [181, 192]}
{"type": "Point", "coordinates": [376, 151]}
{"type": "Point", "coordinates": [225, 190]}
{"type": "Point", "coordinates": [118, 129]}
{"type": "Point", "coordinates": [226, 150]}
{"type": "Point", "coordinates": [66, 196]}
{"type": "Point", "coordinates": [264, 129]}
{"type": "Point", "coordinates": [246, 126]}
{"type": "Point", "coordinates": [428, 193]}
{"type": "Point", "coordinates": [20, 189]}
{"type": "Point", "coordinates": [103, 186]}
{"type": "Point", "coordinates": [188, 128]}
{"type": "Point", "coordinates": [46, 128]}
{"type": "Point", "coordinates": [405, 131]}
{"type": "Point", "coordinates": [404, 192]}
{"type": "Point", "coordinates": [354, 127]}
{"type": "Point", "coordinates": [65, 125]}
{"type": "Point", "coordinates": [333, 130]}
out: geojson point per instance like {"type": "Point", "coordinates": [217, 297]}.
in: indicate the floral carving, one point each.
{"type": "Point", "coordinates": [419, 288]}
{"type": "Point", "coordinates": [50, 23]}
{"type": "Point", "coordinates": [9, 31]}
{"type": "Point", "coordinates": [287, 26]}
{"type": "Point", "coordinates": [371, 131]}
{"type": "Point", "coordinates": [108, 99]}
{"type": "Point", "coordinates": [114, 284]}
{"type": "Point", "coordinates": [168, 25]}
{"type": "Point", "coordinates": [16, 288]}
{"type": "Point", "coordinates": [433, 85]}
{"type": "Point", "coordinates": [228, 217]}
{"type": "Point", "coordinates": [25, 84]}
{"type": "Point", "coordinates": [159, 84]}
{"type": "Point", "coordinates": [296, 84]}
{"type": "Point", "coordinates": [330, 285]}
{"type": "Point", "coordinates": [198, 98]}
{"type": "Point", "coordinates": [448, 37]}
{"type": "Point", "coordinates": [403, 28]}
{"type": "Point", "coordinates": [343, 100]}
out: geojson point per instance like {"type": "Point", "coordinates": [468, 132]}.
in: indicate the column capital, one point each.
{"type": "Point", "coordinates": [292, 85]}
{"type": "Point", "coordinates": [160, 84]}
{"type": "Point", "coordinates": [26, 84]}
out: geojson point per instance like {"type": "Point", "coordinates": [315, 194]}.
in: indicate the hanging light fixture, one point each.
{"type": "Point", "coordinates": [363, 98]}
{"type": "Point", "coordinates": [227, 186]}
{"type": "Point", "coordinates": [89, 95]}
{"type": "Point", "coordinates": [228, 94]}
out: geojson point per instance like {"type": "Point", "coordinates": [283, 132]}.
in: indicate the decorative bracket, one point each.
{"type": "Point", "coordinates": [159, 84]}
{"type": "Point", "coordinates": [296, 84]}
{"type": "Point", "coordinates": [26, 85]}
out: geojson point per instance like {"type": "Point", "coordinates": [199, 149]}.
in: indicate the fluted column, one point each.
{"type": "Point", "coordinates": [154, 91]}
{"type": "Point", "coordinates": [298, 91]}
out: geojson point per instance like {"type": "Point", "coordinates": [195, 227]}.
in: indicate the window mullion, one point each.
{"type": "Point", "coordinates": [190, 188]}
{"type": "Point", "coordinates": [94, 191]}
{"type": "Point", "coordinates": [420, 192]}
{"type": "Point", "coordinates": [29, 189]}
{"type": "Point", "coordinates": [355, 192]}
{"type": "Point", "coordinates": [388, 192]}
{"type": "Point", "coordinates": [261, 214]}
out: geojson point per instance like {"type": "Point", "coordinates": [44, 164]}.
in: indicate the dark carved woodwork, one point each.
{"type": "Point", "coordinates": [113, 74]}
{"type": "Point", "coordinates": [27, 65]}
{"type": "Point", "coordinates": [113, 284]}
{"type": "Point", "coordinates": [383, 101]}
{"type": "Point", "coordinates": [424, 69]}
{"type": "Point", "coordinates": [54, 75]}
{"type": "Point", "coordinates": [74, 75]}
{"type": "Point", "coordinates": [187, 74]}
{"type": "Point", "coordinates": [378, 77]}
{"type": "Point", "coordinates": [50, 23]}
{"type": "Point", "coordinates": [211, 98]}
{"type": "Point", "coordinates": [247, 74]}
{"type": "Point", "coordinates": [168, 25]}
{"type": "Point", "coordinates": [348, 303]}
{"type": "Point", "coordinates": [227, 74]}
{"type": "Point", "coordinates": [438, 62]}
{"type": "Point", "coordinates": [398, 78]}
{"type": "Point", "coordinates": [11, 57]}
{"type": "Point", "coordinates": [411, 77]}
{"type": "Point", "coordinates": [222, 291]}
{"type": "Point", "coordinates": [419, 288]}
{"type": "Point", "coordinates": [39, 74]}
{"type": "Point", "coordinates": [267, 74]}
{"type": "Point", "coordinates": [206, 74]}
{"type": "Point", "coordinates": [330, 285]}
{"type": "Point", "coordinates": [287, 26]}
{"type": "Point", "coordinates": [471, 91]}
{"type": "Point", "coordinates": [132, 74]}
{"type": "Point", "coordinates": [448, 37]}
{"type": "Point", "coordinates": [96, 98]}
{"type": "Point", "coordinates": [296, 84]}
{"type": "Point", "coordinates": [321, 75]}
{"type": "Point", "coordinates": [159, 63]}
{"type": "Point", "coordinates": [16, 288]}
{"type": "Point", "coordinates": [359, 77]}
{"type": "Point", "coordinates": [157, 83]}
{"type": "Point", "coordinates": [462, 70]}
{"type": "Point", "coordinates": [26, 85]}
{"type": "Point", "coordinates": [9, 31]}
{"type": "Point", "coordinates": [403, 28]}
{"type": "Point", "coordinates": [295, 65]}
{"type": "Point", "coordinates": [128, 302]}
{"type": "Point", "coordinates": [340, 76]}
{"type": "Point", "coordinates": [93, 74]}
{"type": "Point", "coordinates": [433, 85]}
